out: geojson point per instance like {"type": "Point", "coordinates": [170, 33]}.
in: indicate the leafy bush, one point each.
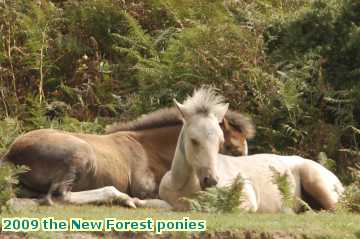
{"type": "Point", "coordinates": [351, 199]}
{"type": "Point", "coordinates": [315, 49]}
{"type": "Point", "coordinates": [291, 65]}
{"type": "Point", "coordinates": [218, 199]}
{"type": "Point", "coordinates": [8, 180]}
{"type": "Point", "coordinates": [9, 130]}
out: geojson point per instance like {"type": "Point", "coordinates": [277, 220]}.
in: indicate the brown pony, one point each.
{"type": "Point", "coordinates": [128, 161]}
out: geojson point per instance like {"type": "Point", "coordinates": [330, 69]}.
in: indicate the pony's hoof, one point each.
{"type": "Point", "coordinates": [130, 203]}
{"type": "Point", "coordinates": [46, 202]}
{"type": "Point", "coordinates": [138, 202]}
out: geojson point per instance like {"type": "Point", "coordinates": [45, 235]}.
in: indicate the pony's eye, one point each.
{"type": "Point", "coordinates": [194, 142]}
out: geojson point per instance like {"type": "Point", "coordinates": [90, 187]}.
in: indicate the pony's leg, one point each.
{"type": "Point", "coordinates": [143, 183]}
{"type": "Point", "coordinates": [47, 200]}
{"type": "Point", "coordinates": [321, 184]}
{"type": "Point", "coordinates": [61, 184]}
{"type": "Point", "coordinates": [102, 195]}
{"type": "Point", "coordinates": [249, 203]}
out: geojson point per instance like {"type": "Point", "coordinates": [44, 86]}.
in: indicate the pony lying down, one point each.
{"type": "Point", "coordinates": [121, 166]}
{"type": "Point", "coordinates": [197, 164]}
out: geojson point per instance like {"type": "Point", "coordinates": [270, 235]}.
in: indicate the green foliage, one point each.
{"type": "Point", "coordinates": [208, 54]}
{"type": "Point", "coordinates": [75, 52]}
{"type": "Point", "coordinates": [218, 199]}
{"type": "Point", "coordinates": [315, 50]}
{"type": "Point", "coordinates": [103, 25]}
{"type": "Point", "coordinates": [9, 129]}
{"type": "Point", "coordinates": [290, 202]}
{"type": "Point", "coordinates": [285, 189]}
{"type": "Point", "coordinates": [292, 65]}
{"type": "Point", "coordinates": [329, 29]}
{"type": "Point", "coordinates": [154, 16]}
{"type": "Point", "coordinates": [74, 125]}
{"type": "Point", "coordinates": [37, 23]}
{"type": "Point", "coordinates": [326, 162]}
{"type": "Point", "coordinates": [350, 200]}
{"type": "Point", "coordinates": [8, 180]}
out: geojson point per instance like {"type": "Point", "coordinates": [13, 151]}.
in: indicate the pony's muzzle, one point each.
{"type": "Point", "coordinates": [208, 182]}
{"type": "Point", "coordinates": [206, 178]}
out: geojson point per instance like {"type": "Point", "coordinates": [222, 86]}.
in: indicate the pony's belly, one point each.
{"type": "Point", "coordinates": [107, 172]}
{"type": "Point", "coordinates": [90, 181]}
{"type": "Point", "coordinates": [259, 171]}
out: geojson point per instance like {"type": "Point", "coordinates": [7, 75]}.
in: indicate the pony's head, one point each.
{"type": "Point", "coordinates": [237, 129]}
{"type": "Point", "coordinates": [202, 136]}
{"type": "Point", "coordinates": [235, 143]}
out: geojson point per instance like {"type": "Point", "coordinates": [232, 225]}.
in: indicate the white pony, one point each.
{"type": "Point", "coordinates": [197, 164]}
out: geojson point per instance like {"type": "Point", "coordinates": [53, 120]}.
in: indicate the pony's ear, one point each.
{"type": "Point", "coordinates": [220, 113]}
{"type": "Point", "coordinates": [225, 125]}
{"type": "Point", "coordinates": [181, 108]}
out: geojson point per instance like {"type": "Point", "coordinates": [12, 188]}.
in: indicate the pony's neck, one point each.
{"type": "Point", "coordinates": [160, 141]}
{"type": "Point", "coordinates": [181, 170]}
{"type": "Point", "coordinates": [159, 145]}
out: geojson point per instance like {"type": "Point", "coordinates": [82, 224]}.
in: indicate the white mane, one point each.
{"type": "Point", "coordinates": [205, 101]}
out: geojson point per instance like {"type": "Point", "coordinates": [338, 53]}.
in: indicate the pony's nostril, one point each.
{"type": "Point", "coordinates": [209, 181]}
{"type": "Point", "coordinates": [206, 181]}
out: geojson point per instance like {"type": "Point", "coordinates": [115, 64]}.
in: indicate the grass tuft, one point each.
{"type": "Point", "coordinates": [350, 200]}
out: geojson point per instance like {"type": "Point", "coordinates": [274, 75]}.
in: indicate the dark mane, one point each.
{"type": "Point", "coordinates": [157, 119]}
{"type": "Point", "coordinates": [240, 122]}
{"type": "Point", "coordinates": [168, 117]}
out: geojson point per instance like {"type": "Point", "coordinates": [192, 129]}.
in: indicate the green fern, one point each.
{"type": "Point", "coordinates": [8, 180]}
{"type": "Point", "coordinates": [218, 199]}
{"type": "Point", "coordinates": [290, 202]}
{"type": "Point", "coordinates": [285, 189]}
